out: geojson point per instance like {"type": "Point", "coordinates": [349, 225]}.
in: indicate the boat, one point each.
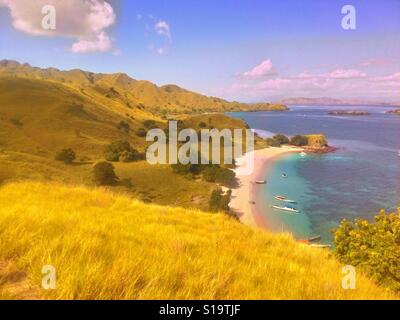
{"type": "Point", "coordinates": [282, 198]}
{"type": "Point", "coordinates": [261, 182]}
{"type": "Point", "coordinates": [288, 209]}
{"type": "Point", "coordinates": [284, 175]}
{"type": "Point", "coordinates": [315, 238]}
{"type": "Point", "coordinates": [303, 154]}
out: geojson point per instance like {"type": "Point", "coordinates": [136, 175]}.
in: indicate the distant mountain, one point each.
{"type": "Point", "coordinates": [160, 101]}
{"type": "Point", "coordinates": [334, 102]}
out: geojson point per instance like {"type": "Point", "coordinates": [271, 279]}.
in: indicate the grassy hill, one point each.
{"type": "Point", "coordinates": [135, 94]}
{"type": "Point", "coordinates": [108, 246]}
{"type": "Point", "coordinates": [45, 110]}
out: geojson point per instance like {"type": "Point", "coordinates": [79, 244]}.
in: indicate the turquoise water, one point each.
{"type": "Point", "coordinates": [358, 180]}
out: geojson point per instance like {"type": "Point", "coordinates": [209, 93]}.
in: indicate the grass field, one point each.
{"type": "Point", "coordinates": [107, 246]}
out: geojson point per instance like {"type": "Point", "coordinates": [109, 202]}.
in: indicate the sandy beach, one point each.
{"type": "Point", "coordinates": [244, 196]}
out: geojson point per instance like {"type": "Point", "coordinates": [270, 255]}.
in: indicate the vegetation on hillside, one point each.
{"type": "Point", "coordinates": [372, 247]}
{"type": "Point", "coordinates": [105, 246]}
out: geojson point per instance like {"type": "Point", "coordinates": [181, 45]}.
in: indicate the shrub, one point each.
{"type": "Point", "coordinates": [119, 149]}
{"type": "Point", "coordinates": [141, 133]}
{"type": "Point", "coordinates": [124, 126]}
{"type": "Point", "coordinates": [374, 247]}
{"type": "Point", "coordinates": [272, 142]}
{"type": "Point", "coordinates": [216, 173]}
{"type": "Point", "coordinates": [104, 174]}
{"type": "Point", "coordinates": [66, 155]}
{"type": "Point", "coordinates": [281, 139]}
{"type": "Point", "coordinates": [299, 141]}
{"type": "Point", "coordinates": [219, 201]}
{"type": "Point", "coordinates": [186, 169]}
{"type": "Point", "coordinates": [202, 125]}
{"type": "Point", "coordinates": [150, 124]}
{"type": "Point", "coordinates": [16, 122]}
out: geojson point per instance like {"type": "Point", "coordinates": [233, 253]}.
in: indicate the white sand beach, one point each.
{"type": "Point", "coordinates": [242, 202]}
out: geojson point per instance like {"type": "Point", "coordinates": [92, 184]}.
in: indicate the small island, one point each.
{"type": "Point", "coordinates": [397, 111]}
{"type": "Point", "coordinates": [348, 113]}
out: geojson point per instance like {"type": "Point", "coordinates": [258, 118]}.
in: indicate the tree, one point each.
{"type": "Point", "coordinates": [66, 155]}
{"type": "Point", "coordinates": [124, 126]}
{"type": "Point", "coordinates": [141, 133]}
{"type": "Point", "coordinates": [121, 151]}
{"type": "Point", "coordinates": [219, 201]}
{"type": "Point", "coordinates": [202, 125]}
{"type": "Point", "coordinates": [299, 141]}
{"type": "Point", "coordinates": [216, 173]}
{"type": "Point", "coordinates": [150, 124]}
{"type": "Point", "coordinates": [104, 174]}
{"type": "Point", "coordinates": [281, 139]}
{"type": "Point", "coordinates": [272, 142]}
{"type": "Point", "coordinates": [373, 247]}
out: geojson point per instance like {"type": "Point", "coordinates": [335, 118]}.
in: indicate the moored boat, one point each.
{"type": "Point", "coordinates": [261, 182]}
{"type": "Point", "coordinates": [287, 209]}
{"type": "Point", "coordinates": [284, 199]}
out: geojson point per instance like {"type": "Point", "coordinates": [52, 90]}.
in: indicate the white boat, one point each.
{"type": "Point", "coordinates": [303, 154]}
{"type": "Point", "coordinates": [284, 199]}
{"type": "Point", "coordinates": [288, 209]}
{"type": "Point", "coordinates": [261, 182]}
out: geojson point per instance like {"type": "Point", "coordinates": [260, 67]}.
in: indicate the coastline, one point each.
{"type": "Point", "coordinates": [246, 193]}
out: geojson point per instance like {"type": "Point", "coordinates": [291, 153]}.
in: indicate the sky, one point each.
{"type": "Point", "coordinates": [243, 50]}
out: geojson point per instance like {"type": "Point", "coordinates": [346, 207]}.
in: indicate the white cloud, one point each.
{"type": "Point", "coordinates": [339, 83]}
{"type": "Point", "coordinates": [83, 20]}
{"type": "Point", "coordinates": [162, 28]}
{"type": "Point", "coordinates": [265, 68]}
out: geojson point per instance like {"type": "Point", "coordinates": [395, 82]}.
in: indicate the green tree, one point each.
{"type": "Point", "coordinates": [272, 142]}
{"type": "Point", "coordinates": [141, 132]}
{"type": "Point", "coordinates": [299, 141]}
{"type": "Point", "coordinates": [124, 126]}
{"type": "Point", "coordinates": [373, 247]}
{"type": "Point", "coordinates": [121, 151]}
{"type": "Point", "coordinates": [219, 201]}
{"type": "Point", "coordinates": [104, 174]}
{"type": "Point", "coordinates": [281, 139]}
{"type": "Point", "coordinates": [66, 155]}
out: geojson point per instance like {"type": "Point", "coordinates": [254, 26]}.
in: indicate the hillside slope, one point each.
{"type": "Point", "coordinates": [106, 246]}
{"type": "Point", "coordinates": [136, 94]}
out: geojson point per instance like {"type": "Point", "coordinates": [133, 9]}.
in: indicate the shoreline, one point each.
{"type": "Point", "coordinates": [242, 196]}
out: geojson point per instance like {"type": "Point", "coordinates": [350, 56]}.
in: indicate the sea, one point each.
{"type": "Point", "coordinates": [357, 181]}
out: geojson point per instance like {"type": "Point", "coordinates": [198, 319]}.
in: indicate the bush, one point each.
{"type": "Point", "coordinates": [16, 122]}
{"type": "Point", "coordinates": [187, 169]}
{"type": "Point", "coordinates": [220, 201]}
{"type": "Point", "coordinates": [141, 133]}
{"type": "Point", "coordinates": [104, 174]}
{"type": "Point", "coordinates": [66, 155]}
{"type": "Point", "coordinates": [121, 151]}
{"type": "Point", "coordinates": [281, 139]}
{"type": "Point", "coordinates": [272, 142]}
{"type": "Point", "coordinates": [374, 247]}
{"type": "Point", "coordinates": [216, 173]}
{"type": "Point", "coordinates": [124, 126]}
{"type": "Point", "coordinates": [150, 124]}
{"type": "Point", "coordinates": [299, 141]}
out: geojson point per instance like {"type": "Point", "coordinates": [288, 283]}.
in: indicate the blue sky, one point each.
{"type": "Point", "coordinates": [248, 50]}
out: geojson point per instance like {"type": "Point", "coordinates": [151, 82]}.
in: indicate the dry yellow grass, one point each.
{"type": "Point", "coordinates": [106, 246]}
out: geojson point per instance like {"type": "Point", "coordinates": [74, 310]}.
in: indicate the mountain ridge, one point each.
{"type": "Point", "coordinates": [160, 100]}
